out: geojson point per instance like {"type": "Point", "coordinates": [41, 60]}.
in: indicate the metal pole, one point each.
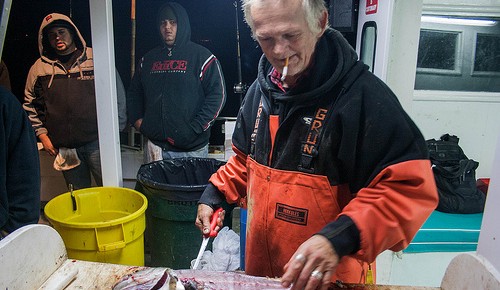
{"type": "Point", "coordinates": [131, 130]}
{"type": "Point", "coordinates": [3, 24]}
{"type": "Point", "coordinates": [239, 88]}
{"type": "Point", "coordinates": [132, 42]}
{"type": "Point", "coordinates": [101, 20]}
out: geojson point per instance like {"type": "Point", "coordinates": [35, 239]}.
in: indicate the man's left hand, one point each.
{"type": "Point", "coordinates": [312, 266]}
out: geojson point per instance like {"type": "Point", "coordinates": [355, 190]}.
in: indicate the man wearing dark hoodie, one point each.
{"type": "Point", "coordinates": [61, 104]}
{"type": "Point", "coordinates": [331, 168]}
{"type": "Point", "coordinates": [177, 91]}
{"type": "Point", "coordinates": [19, 167]}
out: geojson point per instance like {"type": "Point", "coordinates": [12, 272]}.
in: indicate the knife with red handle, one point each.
{"type": "Point", "coordinates": [206, 237]}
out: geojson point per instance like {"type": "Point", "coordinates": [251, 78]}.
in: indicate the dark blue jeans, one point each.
{"type": "Point", "coordinates": [90, 165]}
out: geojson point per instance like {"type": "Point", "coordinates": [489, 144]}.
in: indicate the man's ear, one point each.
{"type": "Point", "coordinates": [323, 22]}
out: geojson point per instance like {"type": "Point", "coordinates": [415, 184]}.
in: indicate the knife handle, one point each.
{"type": "Point", "coordinates": [213, 223]}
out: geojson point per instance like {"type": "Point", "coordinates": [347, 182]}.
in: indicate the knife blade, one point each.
{"type": "Point", "coordinates": [204, 244]}
{"type": "Point", "coordinates": [206, 237]}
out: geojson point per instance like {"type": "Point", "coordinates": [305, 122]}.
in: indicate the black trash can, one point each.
{"type": "Point", "coordinates": [173, 188]}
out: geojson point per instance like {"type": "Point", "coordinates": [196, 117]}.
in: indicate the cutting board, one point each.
{"type": "Point", "coordinates": [34, 257]}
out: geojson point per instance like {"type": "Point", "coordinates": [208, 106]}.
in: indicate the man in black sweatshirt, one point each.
{"type": "Point", "coordinates": [19, 167]}
{"type": "Point", "coordinates": [177, 92]}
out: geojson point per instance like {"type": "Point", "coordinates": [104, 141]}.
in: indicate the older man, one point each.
{"type": "Point", "coordinates": [331, 168]}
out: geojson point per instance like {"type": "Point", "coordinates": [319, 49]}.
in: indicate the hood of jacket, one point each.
{"type": "Point", "coordinates": [333, 59]}
{"type": "Point", "coordinates": [47, 53]}
{"type": "Point", "coordinates": [183, 35]}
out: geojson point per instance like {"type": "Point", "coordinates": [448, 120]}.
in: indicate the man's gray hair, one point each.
{"type": "Point", "coordinates": [313, 11]}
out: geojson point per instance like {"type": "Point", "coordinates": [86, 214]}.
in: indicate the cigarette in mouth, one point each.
{"type": "Point", "coordinates": [285, 70]}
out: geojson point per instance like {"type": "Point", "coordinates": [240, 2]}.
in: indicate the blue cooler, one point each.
{"type": "Point", "coordinates": [447, 232]}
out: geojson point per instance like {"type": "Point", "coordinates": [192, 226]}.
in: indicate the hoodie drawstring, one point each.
{"type": "Point", "coordinates": [78, 63]}
{"type": "Point", "coordinates": [79, 69]}
{"type": "Point", "coordinates": [53, 74]}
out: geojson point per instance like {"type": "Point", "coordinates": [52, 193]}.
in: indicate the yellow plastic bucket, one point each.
{"type": "Point", "coordinates": [101, 224]}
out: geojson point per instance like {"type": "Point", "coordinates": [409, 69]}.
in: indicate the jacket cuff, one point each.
{"type": "Point", "coordinates": [343, 234]}
{"type": "Point", "coordinates": [41, 131]}
{"type": "Point", "coordinates": [212, 196]}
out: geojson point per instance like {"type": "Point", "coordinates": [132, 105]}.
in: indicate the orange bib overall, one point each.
{"type": "Point", "coordinates": [286, 208]}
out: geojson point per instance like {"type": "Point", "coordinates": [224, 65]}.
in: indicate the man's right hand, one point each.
{"type": "Point", "coordinates": [47, 144]}
{"type": "Point", "coordinates": [204, 216]}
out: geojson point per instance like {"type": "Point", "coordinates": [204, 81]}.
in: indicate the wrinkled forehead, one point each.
{"type": "Point", "coordinates": [271, 15]}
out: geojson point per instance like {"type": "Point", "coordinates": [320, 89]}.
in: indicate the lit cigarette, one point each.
{"type": "Point", "coordinates": [285, 70]}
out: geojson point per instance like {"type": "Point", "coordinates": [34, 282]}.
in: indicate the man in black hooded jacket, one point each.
{"type": "Point", "coordinates": [19, 167]}
{"type": "Point", "coordinates": [177, 92]}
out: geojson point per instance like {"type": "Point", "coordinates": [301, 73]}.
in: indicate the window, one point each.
{"type": "Point", "coordinates": [487, 54]}
{"type": "Point", "coordinates": [439, 51]}
{"type": "Point", "coordinates": [368, 44]}
{"type": "Point", "coordinates": [459, 54]}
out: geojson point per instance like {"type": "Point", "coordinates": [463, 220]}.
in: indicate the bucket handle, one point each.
{"type": "Point", "coordinates": [111, 245]}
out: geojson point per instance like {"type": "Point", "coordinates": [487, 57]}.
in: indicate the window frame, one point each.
{"type": "Point", "coordinates": [458, 55]}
